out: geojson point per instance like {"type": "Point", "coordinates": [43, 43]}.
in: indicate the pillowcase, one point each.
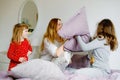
{"type": "Point", "coordinates": [77, 25]}
{"type": "Point", "coordinates": [79, 61]}
{"type": "Point", "coordinates": [38, 69]}
{"type": "Point", "coordinates": [73, 45]}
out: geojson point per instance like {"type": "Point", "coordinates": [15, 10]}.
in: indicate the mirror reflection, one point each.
{"type": "Point", "coordinates": [29, 15]}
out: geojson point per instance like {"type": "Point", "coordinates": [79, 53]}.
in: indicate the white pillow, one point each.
{"type": "Point", "coordinates": [38, 69]}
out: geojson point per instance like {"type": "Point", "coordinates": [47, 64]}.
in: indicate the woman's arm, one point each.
{"type": "Point", "coordinates": [52, 48]}
{"type": "Point", "coordinates": [91, 45]}
{"type": "Point", "coordinates": [59, 50]}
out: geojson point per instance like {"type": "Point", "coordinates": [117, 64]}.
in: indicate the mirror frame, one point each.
{"type": "Point", "coordinates": [21, 9]}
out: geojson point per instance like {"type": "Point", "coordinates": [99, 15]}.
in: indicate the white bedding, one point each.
{"type": "Point", "coordinates": [38, 69]}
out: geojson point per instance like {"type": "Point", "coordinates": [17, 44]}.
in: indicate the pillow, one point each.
{"type": "Point", "coordinates": [77, 25]}
{"type": "Point", "coordinates": [79, 61]}
{"type": "Point", "coordinates": [38, 69]}
{"type": "Point", "coordinates": [73, 45]}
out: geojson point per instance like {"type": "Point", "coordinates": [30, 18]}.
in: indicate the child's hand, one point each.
{"type": "Point", "coordinates": [29, 53]}
{"type": "Point", "coordinates": [22, 59]}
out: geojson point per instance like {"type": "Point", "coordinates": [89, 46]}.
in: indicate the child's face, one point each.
{"type": "Point", "coordinates": [25, 33]}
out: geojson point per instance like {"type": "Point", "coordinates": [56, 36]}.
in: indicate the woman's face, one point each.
{"type": "Point", "coordinates": [59, 24]}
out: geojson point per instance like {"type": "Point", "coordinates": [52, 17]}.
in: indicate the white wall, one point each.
{"type": "Point", "coordinates": [29, 13]}
{"type": "Point", "coordinates": [8, 17]}
{"type": "Point", "coordinates": [64, 9]}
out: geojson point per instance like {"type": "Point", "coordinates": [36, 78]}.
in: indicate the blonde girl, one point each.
{"type": "Point", "coordinates": [19, 48]}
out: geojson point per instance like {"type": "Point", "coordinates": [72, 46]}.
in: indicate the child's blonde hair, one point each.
{"type": "Point", "coordinates": [106, 29]}
{"type": "Point", "coordinates": [17, 32]}
{"type": "Point", "coordinates": [51, 32]}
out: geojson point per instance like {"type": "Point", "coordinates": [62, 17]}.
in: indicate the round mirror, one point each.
{"type": "Point", "coordinates": [29, 14]}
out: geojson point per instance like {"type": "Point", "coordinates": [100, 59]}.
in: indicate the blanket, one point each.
{"type": "Point", "coordinates": [114, 75]}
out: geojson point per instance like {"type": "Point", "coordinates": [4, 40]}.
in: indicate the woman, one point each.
{"type": "Point", "coordinates": [52, 45]}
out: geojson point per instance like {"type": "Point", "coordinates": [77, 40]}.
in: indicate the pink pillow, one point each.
{"type": "Point", "coordinates": [77, 25]}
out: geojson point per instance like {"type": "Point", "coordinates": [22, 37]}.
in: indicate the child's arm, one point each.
{"type": "Point", "coordinates": [29, 48]}
{"type": "Point", "coordinates": [91, 45]}
{"type": "Point", "coordinates": [11, 54]}
{"type": "Point", "coordinates": [29, 53]}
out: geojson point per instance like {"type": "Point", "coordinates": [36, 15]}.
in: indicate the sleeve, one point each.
{"type": "Point", "coordinates": [30, 47]}
{"type": "Point", "coordinates": [11, 54]}
{"type": "Point", "coordinates": [50, 47]}
{"type": "Point", "coordinates": [96, 43]}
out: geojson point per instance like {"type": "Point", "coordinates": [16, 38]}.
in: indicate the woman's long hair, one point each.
{"type": "Point", "coordinates": [106, 29]}
{"type": "Point", "coordinates": [17, 32]}
{"type": "Point", "coordinates": [51, 32]}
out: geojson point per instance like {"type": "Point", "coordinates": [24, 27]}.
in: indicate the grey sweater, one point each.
{"type": "Point", "coordinates": [101, 52]}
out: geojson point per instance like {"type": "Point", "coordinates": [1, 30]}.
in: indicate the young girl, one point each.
{"type": "Point", "coordinates": [19, 48]}
{"type": "Point", "coordinates": [105, 40]}
{"type": "Point", "coordinates": [52, 45]}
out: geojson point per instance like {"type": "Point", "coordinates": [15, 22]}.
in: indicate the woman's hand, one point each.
{"type": "Point", "coordinates": [60, 50]}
